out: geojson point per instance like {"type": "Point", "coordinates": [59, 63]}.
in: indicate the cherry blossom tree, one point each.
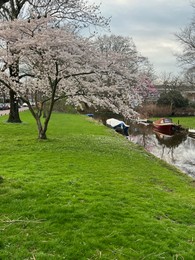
{"type": "Point", "coordinates": [122, 45]}
{"type": "Point", "coordinates": [136, 73]}
{"type": "Point", "coordinates": [77, 12]}
{"type": "Point", "coordinates": [126, 46]}
{"type": "Point", "coordinates": [56, 63]}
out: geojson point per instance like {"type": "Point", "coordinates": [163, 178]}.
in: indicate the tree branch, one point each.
{"type": "Point", "coordinates": [79, 74]}
{"type": "Point", "coordinates": [2, 2]}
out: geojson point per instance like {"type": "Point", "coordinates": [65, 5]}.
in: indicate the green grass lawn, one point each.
{"type": "Point", "coordinates": [88, 193]}
{"type": "Point", "coordinates": [188, 122]}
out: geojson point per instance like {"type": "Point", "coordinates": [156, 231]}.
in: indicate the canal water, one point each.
{"type": "Point", "coordinates": [177, 149]}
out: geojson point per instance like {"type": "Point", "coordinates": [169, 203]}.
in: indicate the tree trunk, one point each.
{"type": "Point", "coordinates": [41, 130]}
{"type": "Point", "coordinates": [42, 135]}
{"type": "Point", "coordinates": [14, 116]}
{"type": "Point", "coordinates": [14, 111]}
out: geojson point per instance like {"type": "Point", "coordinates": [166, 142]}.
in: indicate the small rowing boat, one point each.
{"type": "Point", "coordinates": [165, 125]}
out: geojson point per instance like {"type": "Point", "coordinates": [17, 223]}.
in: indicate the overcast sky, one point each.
{"type": "Point", "coordinates": [151, 24]}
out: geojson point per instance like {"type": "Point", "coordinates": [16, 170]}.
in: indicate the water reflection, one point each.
{"type": "Point", "coordinates": [170, 142]}
{"type": "Point", "coordinates": [177, 149]}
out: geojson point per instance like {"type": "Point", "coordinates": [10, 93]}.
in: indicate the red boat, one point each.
{"type": "Point", "coordinates": [165, 125]}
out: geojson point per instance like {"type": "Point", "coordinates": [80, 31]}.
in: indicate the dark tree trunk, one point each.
{"type": "Point", "coordinates": [14, 111]}
{"type": "Point", "coordinates": [42, 135]}
{"type": "Point", "coordinates": [14, 116]}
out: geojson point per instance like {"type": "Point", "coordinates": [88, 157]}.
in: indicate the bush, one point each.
{"type": "Point", "coordinates": [172, 98]}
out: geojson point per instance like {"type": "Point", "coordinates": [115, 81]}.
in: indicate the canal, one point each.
{"type": "Point", "coordinates": [177, 149]}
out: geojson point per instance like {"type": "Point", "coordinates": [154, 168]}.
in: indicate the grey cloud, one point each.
{"type": "Point", "coordinates": [151, 24]}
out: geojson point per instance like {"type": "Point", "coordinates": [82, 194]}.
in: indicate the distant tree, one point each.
{"type": "Point", "coordinates": [173, 98]}
{"type": "Point", "coordinates": [186, 58]}
{"type": "Point", "coordinates": [119, 44]}
{"type": "Point", "coordinates": [79, 13]}
{"type": "Point", "coordinates": [170, 82]}
{"type": "Point", "coordinates": [126, 46]}
{"type": "Point", "coordinates": [135, 70]}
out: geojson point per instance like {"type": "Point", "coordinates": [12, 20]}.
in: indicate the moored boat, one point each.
{"type": "Point", "coordinates": [144, 121]}
{"type": "Point", "coordinates": [118, 125]}
{"type": "Point", "coordinates": [165, 125]}
{"type": "Point", "coordinates": [191, 133]}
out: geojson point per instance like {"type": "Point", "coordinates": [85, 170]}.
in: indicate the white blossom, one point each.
{"type": "Point", "coordinates": [56, 63]}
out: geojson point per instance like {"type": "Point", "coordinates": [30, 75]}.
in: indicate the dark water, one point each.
{"type": "Point", "coordinates": [177, 149]}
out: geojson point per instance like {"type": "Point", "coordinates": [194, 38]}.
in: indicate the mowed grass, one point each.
{"type": "Point", "coordinates": [188, 122]}
{"type": "Point", "coordinates": [88, 193]}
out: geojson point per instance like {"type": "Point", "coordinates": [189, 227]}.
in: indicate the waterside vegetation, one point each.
{"type": "Point", "coordinates": [88, 193]}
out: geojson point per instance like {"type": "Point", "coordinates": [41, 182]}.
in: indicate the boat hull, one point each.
{"type": "Point", "coordinates": [164, 125]}
{"type": "Point", "coordinates": [164, 128]}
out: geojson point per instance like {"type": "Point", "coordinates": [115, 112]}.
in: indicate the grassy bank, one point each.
{"type": "Point", "coordinates": [88, 193]}
{"type": "Point", "coordinates": [188, 122]}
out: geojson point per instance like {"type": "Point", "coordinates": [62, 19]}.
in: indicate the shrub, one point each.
{"type": "Point", "coordinates": [172, 98]}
